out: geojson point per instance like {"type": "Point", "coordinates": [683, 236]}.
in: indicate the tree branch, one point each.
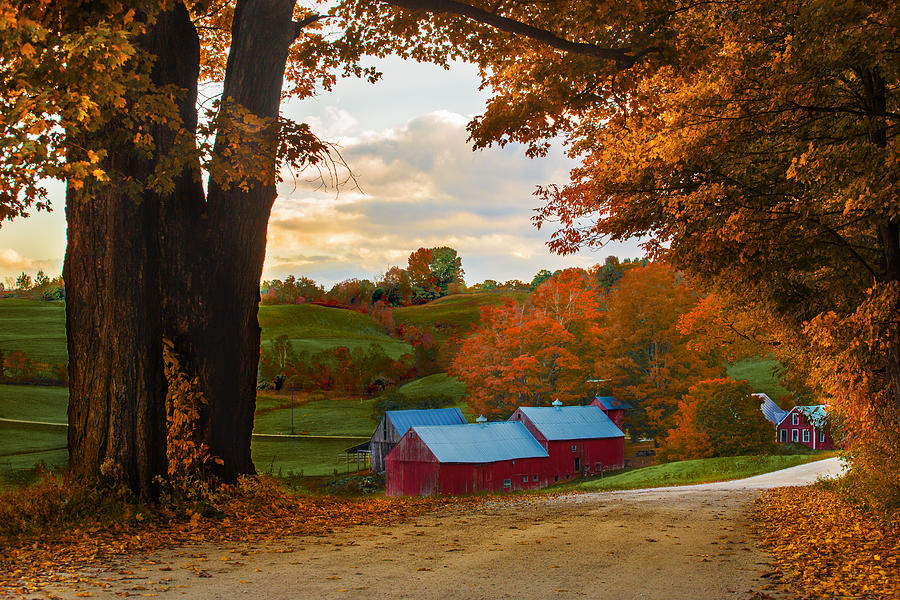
{"type": "Point", "coordinates": [622, 56]}
{"type": "Point", "coordinates": [302, 23]}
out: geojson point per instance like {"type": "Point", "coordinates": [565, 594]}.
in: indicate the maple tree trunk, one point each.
{"type": "Point", "coordinates": [181, 266]}
{"type": "Point", "coordinates": [238, 218]}
{"type": "Point", "coordinates": [114, 313]}
{"type": "Point", "coordinates": [116, 384]}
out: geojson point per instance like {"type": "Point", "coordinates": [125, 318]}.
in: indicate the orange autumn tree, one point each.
{"type": "Point", "coordinates": [530, 354]}
{"type": "Point", "coordinates": [718, 417]}
{"type": "Point", "coordinates": [643, 357]}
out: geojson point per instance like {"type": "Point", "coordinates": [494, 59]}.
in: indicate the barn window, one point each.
{"type": "Point", "coordinates": [822, 437]}
{"type": "Point", "coordinates": [795, 435]}
{"type": "Point", "coordinates": [784, 435]}
{"type": "Point", "coordinates": [555, 478]}
{"type": "Point", "coordinates": [806, 435]}
{"type": "Point", "coordinates": [574, 448]}
{"type": "Point", "coordinates": [598, 467]}
{"type": "Point", "coordinates": [534, 477]}
{"type": "Point", "coordinates": [795, 419]}
{"type": "Point", "coordinates": [524, 478]}
{"type": "Point", "coordinates": [507, 483]}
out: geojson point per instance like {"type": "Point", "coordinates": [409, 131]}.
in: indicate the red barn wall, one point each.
{"type": "Point", "coordinates": [594, 456]}
{"type": "Point", "coordinates": [617, 416]}
{"type": "Point", "coordinates": [412, 470]}
{"type": "Point", "coordinates": [788, 427]}
{"type": "Point", "coordinates": [457, 479]}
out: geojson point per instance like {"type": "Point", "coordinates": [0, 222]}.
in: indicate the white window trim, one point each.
{"type": "Point", "coordinates": [795, 435]}
{"type": "Point", "coordinates": [795, 419]}
{"type": "Point", "coordinates": [806, 436]}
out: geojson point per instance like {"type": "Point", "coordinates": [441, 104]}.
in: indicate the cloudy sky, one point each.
{"type": "Point", "coordinates": [418, 183]}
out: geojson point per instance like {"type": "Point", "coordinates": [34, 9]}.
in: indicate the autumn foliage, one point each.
{"type": "Point", "coordinates": [824, 547]}
{"type": "Point", "coordinates": [530, 354]}
{"type": "Point", "coordinates": [718, 417]}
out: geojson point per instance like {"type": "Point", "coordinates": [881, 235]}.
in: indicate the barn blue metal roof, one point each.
{"type": "Point", "coordinates": [404, 419]}
{"type": "Point", "coordinates": [571, 422]}
{"type": "Point", "coordinates": [770, 410]}
{"type": "Point", "coordinates": [610, 403]}
{"type": "Point", "coordinates": [480, 443]}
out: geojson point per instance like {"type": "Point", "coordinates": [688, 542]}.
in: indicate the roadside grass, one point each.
{"type": "Point", "coordinates": [760, 374]}
{"type": "Point", "coordinates": [313, 328]}
{"type": "Point", "coordinates": [35, 327]}
{"type": "Point", "coordinates": [22, 447]}
{"type": "Point", "coordinates": [454, 314]}
{"type": "Point", "coordinates": [688, 472]}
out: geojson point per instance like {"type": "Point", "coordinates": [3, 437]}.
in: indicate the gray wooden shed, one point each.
{"type": "Point", "coordinates": [395, 423]}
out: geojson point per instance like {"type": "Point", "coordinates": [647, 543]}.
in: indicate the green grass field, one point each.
{"type": "Point", "coordinates": [760, 373]}
{"type": "Point", "coordinates": [314, 328]}
{"type": "Point", "coordinates": [33, 403]}
{"type": "Point", "coordinates": [34, 327]}
{"type": "Point", "coordinates": [689, 472]}
{"type": "Point", "coordinates": [330, 416]}
{"type": "Point", "coordinates": [455, 313]}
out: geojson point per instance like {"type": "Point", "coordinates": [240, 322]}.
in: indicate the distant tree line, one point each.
{"type": "Point", "coordinates": [17, 368]}
{"type": "Point", "coordinates": [431, 273]}
{"type": "Point", "coordinates": [39, 288]}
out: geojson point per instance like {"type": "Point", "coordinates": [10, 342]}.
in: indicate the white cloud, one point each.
{"type": "Point", "coordinates": [12, 260]}
{"type": "Point", "coordinates": [420, 184]}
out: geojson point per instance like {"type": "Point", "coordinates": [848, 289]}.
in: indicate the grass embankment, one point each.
{"type": "Point", "coordinates": [688, 472]}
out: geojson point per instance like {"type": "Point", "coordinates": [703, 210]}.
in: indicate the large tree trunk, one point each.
{"type": "Point", "coordinates": [116, 382]}
{"type": "Point", "coordinates": [238, 217]}
{"type": "Point", "coordinates": [145, 267]}
{"type": "Point", "coordinates": [114, 320]}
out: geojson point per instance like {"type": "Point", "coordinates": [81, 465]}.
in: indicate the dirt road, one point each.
{"type": "Point", "coordinates": [691, 542]}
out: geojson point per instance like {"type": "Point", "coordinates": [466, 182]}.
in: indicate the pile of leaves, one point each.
{"type": "Point", "coordinates": [57, 530]}
{"type": "Point", "coordinates": [823, 547]}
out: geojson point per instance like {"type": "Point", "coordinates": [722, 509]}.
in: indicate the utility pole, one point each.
{"type": "Point", "coordinates": [292, 409]}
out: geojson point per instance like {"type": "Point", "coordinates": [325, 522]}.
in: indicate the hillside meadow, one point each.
{"type": "Point", "coordinates": [331, 421]}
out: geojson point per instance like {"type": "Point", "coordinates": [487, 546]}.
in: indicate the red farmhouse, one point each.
{"type": "Point", "coordinates": [614, 409]}
{"type": "Point", "coordinates": [464, 459]}
{"type": "Point", "coordinates": [806, 425]}
{"type": "Point", "coordinates": [580, 440]}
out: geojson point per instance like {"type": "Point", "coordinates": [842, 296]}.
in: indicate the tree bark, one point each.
{"type": "Point", "coordinates": [262, 33]}
{"type": "Point", "coordinates": [112, 270]}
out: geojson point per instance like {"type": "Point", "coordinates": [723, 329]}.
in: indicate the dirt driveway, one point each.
{"type": "Point", "coordinates": [672, 543]}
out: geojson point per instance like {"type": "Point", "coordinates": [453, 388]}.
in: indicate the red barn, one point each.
{"type": "Point", "coordinates": [581, 440]}
{"type": "Point", "coordinates": [806, 425]}
{"type": "Point", "coordinates": [614, 409]}
{"type": "Point", "coordinates": [464, 459]}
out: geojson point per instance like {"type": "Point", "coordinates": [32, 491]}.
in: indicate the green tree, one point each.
{"type": "Point", "coordinates": [539, 278]}
{"type": "Point", "coordinates": [446, 266]}
{"type": "Point", "coordinates": [41, 281]}
{"type": "Point", "coordinates": [23, 282]}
